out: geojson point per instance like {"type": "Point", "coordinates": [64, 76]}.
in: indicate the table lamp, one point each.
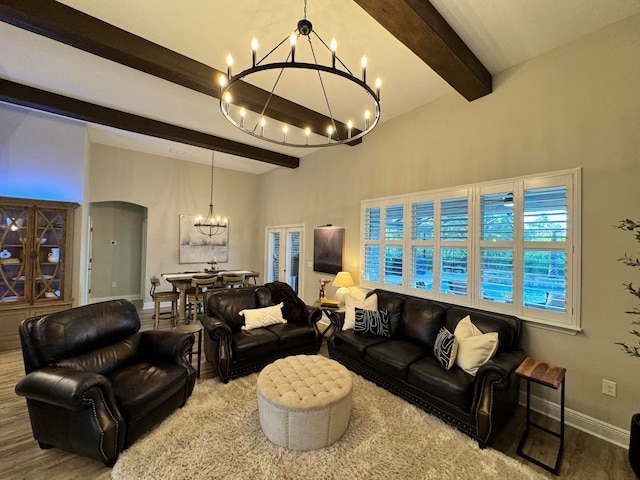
{"type": "Point", "coordinates": [343, 280]}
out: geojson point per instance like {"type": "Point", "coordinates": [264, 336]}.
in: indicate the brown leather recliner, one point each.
{"type": "Point", "coordinates": [95, 384]}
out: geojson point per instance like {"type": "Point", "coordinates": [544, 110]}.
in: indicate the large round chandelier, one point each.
{"type": "Point", "coordinates": [351, 107]}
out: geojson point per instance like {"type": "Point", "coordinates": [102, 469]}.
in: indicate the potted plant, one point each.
{"type": "Point", "coordinates": [634, 351]}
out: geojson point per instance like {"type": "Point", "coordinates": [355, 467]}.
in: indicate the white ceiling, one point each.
{"type": "Point", "coordinates": [501, 33]}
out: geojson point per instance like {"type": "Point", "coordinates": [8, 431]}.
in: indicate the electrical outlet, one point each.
{"type": "Point", "coordinates": [609, 388]}
{"type": "Point", "coordinates": [113, 285]}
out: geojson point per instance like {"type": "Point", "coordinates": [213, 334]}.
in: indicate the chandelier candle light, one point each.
{"type": "Point", "coordinates": [355, 106]}
{"type": "Point", "coordinates": [212, 224]}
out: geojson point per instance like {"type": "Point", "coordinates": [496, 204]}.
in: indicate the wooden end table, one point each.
{"type": "Point", "coordinates": [551, 376]}
{"type": "Point", "coordinates": [196, 331]}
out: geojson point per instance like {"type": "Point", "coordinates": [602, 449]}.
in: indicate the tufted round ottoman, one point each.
{"type": "Point", "coordinates": [304, 401]}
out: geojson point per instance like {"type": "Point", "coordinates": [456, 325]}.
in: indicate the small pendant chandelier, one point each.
{"type": "Point", "coordinates": [359, 107]}
{"type": "Point", "coordinates": [211, 225]}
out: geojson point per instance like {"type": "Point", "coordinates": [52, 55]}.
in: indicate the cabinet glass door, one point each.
{"type": "Point", "coordinates": [14, 253]}
{"type": "Point", "coordinates": [48, 248]}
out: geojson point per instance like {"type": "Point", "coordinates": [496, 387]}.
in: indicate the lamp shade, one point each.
{"type": "Point", "coordinates": [343, 280]}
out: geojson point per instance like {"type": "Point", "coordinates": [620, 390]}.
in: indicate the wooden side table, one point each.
{"type": "Point", "coordinates": [196, 331]}
{"type": "Point", "coordinates": [548, 375]}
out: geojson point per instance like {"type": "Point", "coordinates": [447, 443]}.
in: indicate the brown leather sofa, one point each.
{"type": "Point", "coordinates": [234, 351]}
{"type": "Point", "coordinates": [95, 383]}
{"type": "Point", "coordinates": [405, 364]}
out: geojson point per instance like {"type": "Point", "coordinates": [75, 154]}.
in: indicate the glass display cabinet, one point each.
{"type": "Point", "coordinates": [35, 242]}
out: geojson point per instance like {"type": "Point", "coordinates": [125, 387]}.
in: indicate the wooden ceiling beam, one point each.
{"type": "Point", "coordinates": [18, 94]}
{"type": "Point", "coordinates": [64, 24]}
{"type": "Point", "coordinates": [421, 28]}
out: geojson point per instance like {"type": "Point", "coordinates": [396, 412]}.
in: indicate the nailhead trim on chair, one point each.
{"type": "Point", "coordinates": [95, 417]}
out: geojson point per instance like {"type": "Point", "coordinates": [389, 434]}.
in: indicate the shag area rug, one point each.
{"type": "Point", "coordinates": [217, 435]}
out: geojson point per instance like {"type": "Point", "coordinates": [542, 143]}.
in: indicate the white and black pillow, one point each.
{"type": "Point", "coordinates": [446, 348]}
{"type": "Point", "coordinates": [372, 321]}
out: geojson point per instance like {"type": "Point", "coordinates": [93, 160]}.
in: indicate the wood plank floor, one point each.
{"type": "Point", "coordinates": [585, 457]}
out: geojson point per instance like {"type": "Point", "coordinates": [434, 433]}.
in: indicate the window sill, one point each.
{"type": "Point", "coordinates": [554, 327]}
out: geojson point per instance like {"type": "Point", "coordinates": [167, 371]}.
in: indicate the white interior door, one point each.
{"type": "Point", "coordinates": [284, 251]}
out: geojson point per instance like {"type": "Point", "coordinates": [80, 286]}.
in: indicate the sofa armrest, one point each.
{"type": "Point", "coordinates": [63, 387]}
{"type": "Point", "coordinates": [496, 392]}
{"type": "Point", "coordinates": [214, 325]}
{"type": "Point", "coordinates": [165, 345]}
{"type": "Point", "coordinates": [503, 364]}
{"type": "Point", "coordinates": [221, 336]}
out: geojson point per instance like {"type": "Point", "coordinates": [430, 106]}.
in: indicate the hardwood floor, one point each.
{"type": "Point", "coordinates": [585, 456]}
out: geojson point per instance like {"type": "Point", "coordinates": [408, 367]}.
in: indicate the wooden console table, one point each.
{"type": "Point", "coordinates": [548, 375]}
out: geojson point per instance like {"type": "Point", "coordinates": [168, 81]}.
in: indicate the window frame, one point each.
{"type": "Point", "coordinates": [567, 321]}
{"type": "Point", "coordinates": [382, 242]}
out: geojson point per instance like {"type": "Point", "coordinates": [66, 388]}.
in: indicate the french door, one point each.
{"type": "Point", "coordinates": [284, 252]}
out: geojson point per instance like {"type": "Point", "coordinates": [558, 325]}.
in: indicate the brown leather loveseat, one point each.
{"type": "Point", "coordinates": [235, 351]}
{"type": "Point", "coordinates": [95, 383]}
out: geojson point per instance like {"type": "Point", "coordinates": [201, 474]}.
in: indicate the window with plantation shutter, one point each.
{"type": "Point", "coordinates": [509, 246]}
{"type": "Point", "coordinates": [496, 245]}
{"type": "Point", "coordinates": [394, 222]}
{"type": "Point", "coordinates": [383, 244]}
{"type": "Point", "coordinates": [371, 224]}
{"type": "Point", "coordinates": [454, 252]}
{"type": "Point", "coordinates": [422, 241]}
{"type": "Point", "coordinates": [371, 227]}
{"type": "Point", "coordinates": [454, 219]}
{"type": "Point", "coordinates": [393, 244]}
{"type": "Point", "coordinates": [545, 252]}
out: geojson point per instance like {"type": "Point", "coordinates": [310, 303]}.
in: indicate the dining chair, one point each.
{"type": "Point", "coordinates": [250, 278]}
{"type": "Point", "coordinates": [195, 295]}
{"type": "Point", "coordinates": [160, 297]}
{"type": "Point", "coordinates": [232, 281]}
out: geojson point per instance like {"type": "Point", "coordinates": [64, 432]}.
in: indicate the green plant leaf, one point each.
{"type": "Point", "coordinates": [634, 262]}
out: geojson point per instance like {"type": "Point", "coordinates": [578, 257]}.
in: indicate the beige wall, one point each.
{"type": "Point", "coordinates": [170, 188]}
{"type": "Point", "coordinates": [578, 106]}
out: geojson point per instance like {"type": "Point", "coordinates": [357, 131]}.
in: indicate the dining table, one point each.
{"type": "Point", "coordinates": [182, 281]}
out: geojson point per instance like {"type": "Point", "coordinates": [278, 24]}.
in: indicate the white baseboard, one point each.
{"type": "Point", "coordinates": [592, 426]}
{"type": "Point", "coordinates": [131, 298]}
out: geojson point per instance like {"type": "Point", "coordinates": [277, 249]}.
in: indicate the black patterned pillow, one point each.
{"type": "Point", "coordinates": [372, 321]}
{"type": "Point", "coordinates": [446, 348]}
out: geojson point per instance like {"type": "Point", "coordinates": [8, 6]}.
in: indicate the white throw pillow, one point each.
{"type": "Point", "coordinates": [474, 347]}
{"type": "Point", "coordinates": [350, 304]}
{"type": "Point", "coordinates": [262, 317]}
